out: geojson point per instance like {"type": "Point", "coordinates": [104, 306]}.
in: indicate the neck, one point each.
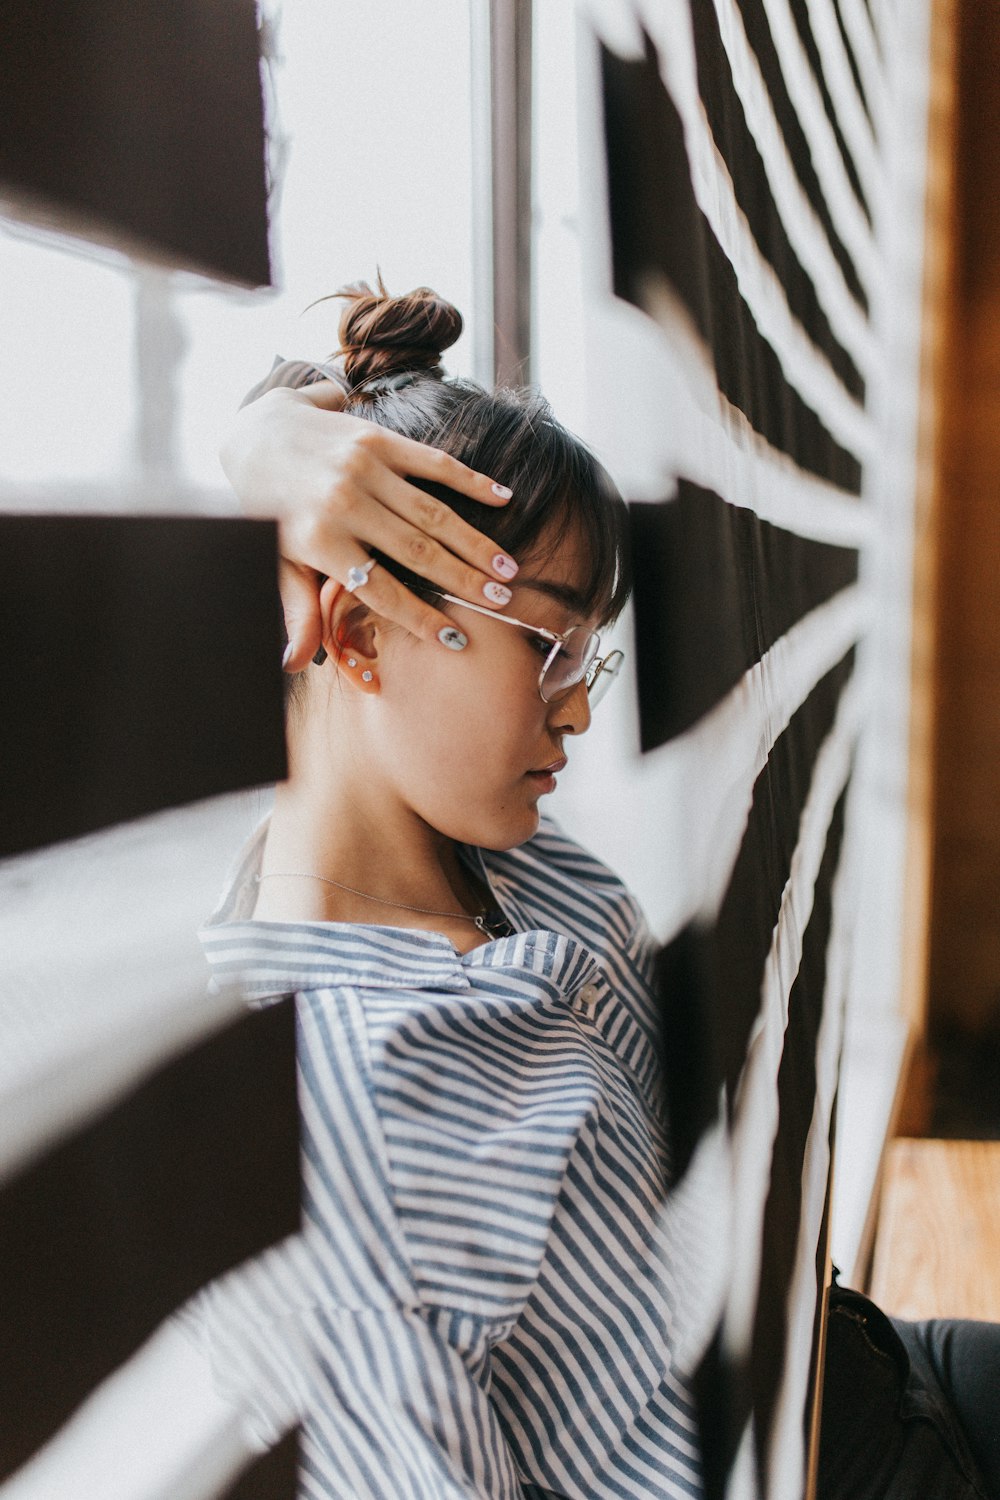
{"type": "Point", "coordinates": [352, 832]}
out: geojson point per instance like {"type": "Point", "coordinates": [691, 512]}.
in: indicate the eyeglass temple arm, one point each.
{"type": "Point", "coordinates": [493, 614]}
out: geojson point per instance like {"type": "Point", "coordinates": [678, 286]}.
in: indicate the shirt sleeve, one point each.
{"type": "Point", "coordinates": [398, 1414]}
{"type": "Point", "coordinates": [393, 1403]}
{"type": "Point", "coordinates": [293, 374]}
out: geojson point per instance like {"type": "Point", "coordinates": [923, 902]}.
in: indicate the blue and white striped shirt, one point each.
{"type": "Point", "coordinates": [480, 1302]}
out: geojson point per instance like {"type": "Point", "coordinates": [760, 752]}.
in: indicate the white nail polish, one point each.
{"type": "Point", "coordinates": [501, 491]}
{"type": "Point", "coordinates": [286, 654]}
{"type": "Point", "coordinates": [497, 593]}
{"type": "Point", "coordinates": [452, 638]}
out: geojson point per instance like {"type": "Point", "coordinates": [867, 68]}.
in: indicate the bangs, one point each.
{"type": "Point", "coordinates": [572, 499]}
{"type": "Point", "coordinates": [560, 489]}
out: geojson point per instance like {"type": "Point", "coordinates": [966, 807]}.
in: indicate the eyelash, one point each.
{"type": "Point", "coordinates": [541, 645]}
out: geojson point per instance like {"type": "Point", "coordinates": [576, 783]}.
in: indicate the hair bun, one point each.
{"type": "Point", "coordinates": [382, 335]}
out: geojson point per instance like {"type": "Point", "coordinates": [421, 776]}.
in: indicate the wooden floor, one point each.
{"type": "Point", "coordinates": [937, 1245]}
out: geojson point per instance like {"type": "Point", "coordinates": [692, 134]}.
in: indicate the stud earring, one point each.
{"type": "Point", "coordinates": [352, 661]}
{"type": "Point", "coordinates": [366, 677]}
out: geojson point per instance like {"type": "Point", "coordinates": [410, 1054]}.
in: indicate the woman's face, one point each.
{"type": "Point", "coordinates": [464, 738]}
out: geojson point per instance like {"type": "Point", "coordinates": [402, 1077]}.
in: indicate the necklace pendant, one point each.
{"type": "Point", "coordinates": [493, 924]}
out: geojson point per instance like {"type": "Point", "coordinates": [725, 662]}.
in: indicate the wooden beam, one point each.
{"type": "Point", "coordinates": [937, 1248]}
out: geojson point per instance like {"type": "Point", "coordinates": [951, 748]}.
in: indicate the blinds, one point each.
{"type": "Point", "coordinates": [749, 182]}
{"type": "Point", "coordinates": [149, 1136]}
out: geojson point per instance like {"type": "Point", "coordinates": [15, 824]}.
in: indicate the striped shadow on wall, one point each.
{"type": "Point", "coordinates": [741, 168]}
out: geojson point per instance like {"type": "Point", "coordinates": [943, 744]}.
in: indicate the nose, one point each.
{"type": "Point", "coordinates": [571, 715]}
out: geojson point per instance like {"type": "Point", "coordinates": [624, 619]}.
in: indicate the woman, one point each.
{"type": "Point", "coordinates": [481, 1301]}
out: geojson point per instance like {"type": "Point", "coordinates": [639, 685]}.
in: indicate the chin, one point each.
{"type": "Point", "coordinates": [513, 833]}
{"type": "Point", "coordinates": [501, 827]}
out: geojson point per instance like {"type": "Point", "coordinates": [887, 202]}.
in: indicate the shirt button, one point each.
{"type": "Point", "coordinates": [588, 996]}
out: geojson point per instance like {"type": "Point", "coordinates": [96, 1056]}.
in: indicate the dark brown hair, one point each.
{"type": "Point", "coordinates": [390, 358]}
{"type": "Point", "coordinates": [383, 336]}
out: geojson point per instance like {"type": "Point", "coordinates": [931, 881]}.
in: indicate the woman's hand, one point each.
{"type": "Point", "coordinates": [338, 487]}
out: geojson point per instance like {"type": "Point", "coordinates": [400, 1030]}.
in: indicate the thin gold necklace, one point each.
{"type": "Point", "coordinates": [480, 920]}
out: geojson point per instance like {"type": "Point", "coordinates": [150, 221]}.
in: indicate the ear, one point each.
{"type": "Point", "coordinates": [350, 637]}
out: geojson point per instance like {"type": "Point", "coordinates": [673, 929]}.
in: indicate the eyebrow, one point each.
{"type": "Point", "coordinates": [563, 593]}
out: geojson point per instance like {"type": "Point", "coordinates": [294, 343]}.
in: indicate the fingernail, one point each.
{"type": "Point", "coordinates": [497, 593]}
{"type": "Point", "coordinates": [286, 654]}
{"type": "Point", "coordinates": [452, 638]}
{"type": "Point", "coordinates": [504, 565]}
{"type": "Point", "coordinates": [320, 656]}
{"type": "Point", "coordinates": [501, 491]}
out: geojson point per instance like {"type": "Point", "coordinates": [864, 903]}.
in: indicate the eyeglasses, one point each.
{"type": "Point", "coordinates": [572, 659]}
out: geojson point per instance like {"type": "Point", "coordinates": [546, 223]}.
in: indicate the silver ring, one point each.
{"type": "Point", "coordinates": [357, 577]}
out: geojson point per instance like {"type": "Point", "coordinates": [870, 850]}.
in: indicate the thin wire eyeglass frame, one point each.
{"type": "Point", "coordinates": [598, 672]}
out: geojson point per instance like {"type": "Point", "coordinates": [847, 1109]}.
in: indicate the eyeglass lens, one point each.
{"type": "Point", "coordinates": [600, 678]}
{"type": "Point", "coordinates": [569, 662]}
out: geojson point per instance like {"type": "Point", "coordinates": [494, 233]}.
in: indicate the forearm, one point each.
{"type": "Point", "coordinates": [268, 435]}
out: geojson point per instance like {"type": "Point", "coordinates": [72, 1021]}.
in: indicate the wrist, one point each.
{"type": "Point", "coordinates": [244, 450]}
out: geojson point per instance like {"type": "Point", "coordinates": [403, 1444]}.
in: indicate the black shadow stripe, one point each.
{"type": "Point", "coordinates": [759, 35]}
{"type": "Point", "coordinates": [803, 26]}
{"type": "Point", "coordinates": [728, 1391]}
{"type": "Point", "coordinates": [657, 230]}
{"type": "Point", "coordinates": [140, 668]}
{"type": "Point", "coordinates": [151, 131]}
{"type": "Point", "coordinates": [822, 1266]}
{"type": "Point", "coordinates": [796, 1102]}
{"type": "Point", "coordinates": [710, 977]}
{"type": "Point", "coordinates": [272, 1477]}
{"type": "Point", "coordinates": [656, 224]}
{"type": "Point", "coordinates": [750, 375]}
{"type": "Point", "coordinates": [750, 909]}
{"type": "Point", "coordinates": [193, 1172]}
{"type": "Point", "coordinates": [735, 141]}
{"type": "Point", "coordinates": [852, 63]}
{"type": "Point", "coordinates": [717, 1399]}
{"type": "Point", "coordinates": [876, 33]}
{"type": "Point", "coordinates": [715, 587]}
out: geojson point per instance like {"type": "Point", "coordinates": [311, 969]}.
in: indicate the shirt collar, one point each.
{"type": "Point", "coordinates": [274, 958]}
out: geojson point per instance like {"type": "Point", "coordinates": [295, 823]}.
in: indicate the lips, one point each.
{"type": "Point", "coordinates": [552, 769]}
{"type": "Point", "coordinates": [544, 780]}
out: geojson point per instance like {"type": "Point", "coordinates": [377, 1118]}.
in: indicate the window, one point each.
{"type": "Point", "coordinates": [122, 377]}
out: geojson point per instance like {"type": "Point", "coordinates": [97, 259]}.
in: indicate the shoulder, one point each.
{"type": "Point", "coordinates": [559, 873]}
{"type": "Point", "coordinates": [553, 844]}
{"type": "Point", "coordinates": [552, 849]}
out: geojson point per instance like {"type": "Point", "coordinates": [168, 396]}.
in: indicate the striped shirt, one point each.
{"type": "Point", "coordinates": [480, 1302]}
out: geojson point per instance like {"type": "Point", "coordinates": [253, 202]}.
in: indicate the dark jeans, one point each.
{"type": "Point", "coordinates": [909, 1409]}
